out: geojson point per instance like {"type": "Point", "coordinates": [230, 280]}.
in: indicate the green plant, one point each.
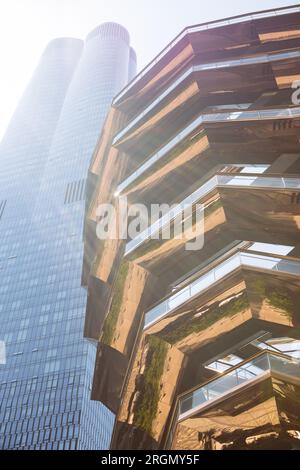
{"type": "Point", "coordinates": [187, 327]}
{"type": "Point", "coordinates": [147, 405]}
{"type": "Point", "coordinates": [113, 314]}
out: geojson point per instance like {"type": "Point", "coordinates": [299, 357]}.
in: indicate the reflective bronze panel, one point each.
{"type": "Point", "coordinates": [98, 293]}
{"type": "Point", "coordinates": [204, 151]}
{"type": "Point", "coordinates": [207, 318]}
{"type": "Point", "coordinates": [226, 218]}
{"type": "Point", "coordinates": [133, 289]}
{"type": "Point", "coordinates": [100, 186]}
{"type": "Point", "coordinates": [210, 42]}
{"type": "Point", "coordinates": [149, 394]}
{"type": "Point", "coordinates": [110, 370]}
{"type": "Point", "coordinates": [262, 414]}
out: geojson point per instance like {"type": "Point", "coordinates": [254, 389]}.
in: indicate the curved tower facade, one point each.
{"type": "Point", "coordinates": [132, 64]}
{"type": "Point", "coordinates": [46, 381]}
{"type": "Point", "coordinates": [102, 71]}
{"type": "Point", "coordinates": [25, 146]}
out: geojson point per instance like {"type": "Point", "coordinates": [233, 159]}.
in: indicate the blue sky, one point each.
{"type": "Point", "coordinates": [26, 26]}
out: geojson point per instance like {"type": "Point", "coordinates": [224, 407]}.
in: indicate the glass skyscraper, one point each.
{"type": "Point", "coordinates": [44, 158]}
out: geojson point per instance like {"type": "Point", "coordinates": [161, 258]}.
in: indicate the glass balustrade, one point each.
{"type": "Point", "coordinates": [154, 103]}
{"type": "Point", "coordinates": [237, 377]}
{"type": "Point", "coordinates": [199, 28]}
{"type": "Point", "coordinates": [171, 216]}
{"type": "Point", "coordinates": [207, 118]}
{"type": "Point", "coordinates": [258, 59]}
{"type": "Point", "coordinates": [285, 345]}
{"type": "Point", "coordinates": [208, 279]}
{"type": "Point", "coordinates": [221, 180]}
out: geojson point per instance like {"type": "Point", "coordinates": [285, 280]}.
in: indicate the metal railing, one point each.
{"type": "Point", "coordinates": [205, 27]}
{"type": "Point", "coordinates": [251, 115]}
{"type": "Point", "coordinates": [240, 375]}
{"type": "Point", "coordinates": [281, 264]}
{"type": "Point", "coordinates": [252, 180]}
{"type": "Point", "coordinates": [257, 59]}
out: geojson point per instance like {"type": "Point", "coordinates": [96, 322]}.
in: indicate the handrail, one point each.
{"type": "Point", "coordinates": [260, 175]}
{"type": "Point", "coordinates": [202, 267]}
{"type": "Point", "coordinates": [237, 366]}
{"type": "Point", "coordinates": [204, 27]}
{"type": "Point", "coordinates": [175, 416]}
{"type": "Point", "coordinates": [228, 255]}
{"type": "Point", "coordinates": [206, 188]}
{"type": "Point", "coordinates": [248, 115]}
{"type": "Point", "coordinates": [187, 291]}
{"type": "Point", "coordinates": [242, 61]}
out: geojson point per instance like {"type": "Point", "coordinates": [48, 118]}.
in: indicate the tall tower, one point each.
{"type": "Point", "coordinates": [45, 384]}
{"type": "Point", "coordinates": [25, 145]}
{"type": "Point", "coordinates": [132, 64]}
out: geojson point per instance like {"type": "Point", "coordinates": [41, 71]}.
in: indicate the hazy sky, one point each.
{"type": "Point", "coordinates": [26, 26]}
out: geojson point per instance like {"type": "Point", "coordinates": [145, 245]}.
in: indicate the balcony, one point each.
{"type": "Point", "coordinates": [210, 277]}
{"type": "Point", "coordinates": [235, 379]}
{"type": "Point", "coordinates": [223, 180]}
{"type": "Point", "coordinates": [144, 75]}
{"type": "Point", "coordinates": [196, 69]}
{"type": "Point", "coordinates": [228, 117]}
{"type": "Point", "coordinates": [253, 405]}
